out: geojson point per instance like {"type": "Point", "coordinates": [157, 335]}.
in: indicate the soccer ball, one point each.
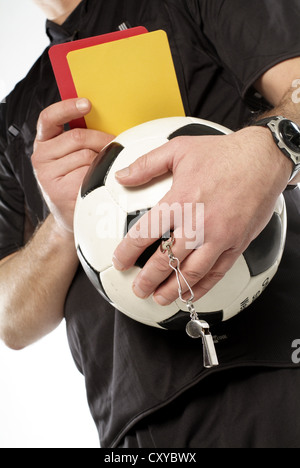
{"type": "Point", "coordinates": [105, 211]}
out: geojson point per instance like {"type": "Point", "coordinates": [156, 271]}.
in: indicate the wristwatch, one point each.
{"type": "Point", "coordinates": [286, 135]}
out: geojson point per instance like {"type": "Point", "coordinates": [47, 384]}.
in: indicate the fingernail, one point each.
{"type": "Point", "coordinates": [123, 173]}
{"type": "Point", "coordinates": [118, 265]}
{"type": "Point", "coordinates": [160, 300]}
{"type": "Point", "coordinates": [139, 292]}
{"type": "Point", "coordinates": [83, 105]}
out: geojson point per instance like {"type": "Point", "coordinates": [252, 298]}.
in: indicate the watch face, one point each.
{"type": "Point", "coordinates": [290, 134]}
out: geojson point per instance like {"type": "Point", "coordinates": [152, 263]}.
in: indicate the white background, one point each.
{"type": "Point", "coordinates": [42, 395]}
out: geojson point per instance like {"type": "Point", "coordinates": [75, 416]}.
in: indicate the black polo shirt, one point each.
{"type": "Point", "coordinates": [219, 48]}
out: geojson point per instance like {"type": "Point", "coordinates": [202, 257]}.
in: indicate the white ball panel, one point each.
{"type": "Point", "coordinates": [148, 129]}
{"type": "Point", "coordinates": [137, 198]}
{"type": "Point", "coordinates": [280, 205]}
{"type": "Point", "coordinates": [118, 287]}
{"type": "Point", "coordinates": [99, 226]}
{"type": "Point", "coordinates": [283, 215]}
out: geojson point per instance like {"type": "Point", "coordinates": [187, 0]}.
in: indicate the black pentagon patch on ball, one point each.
{"type": "Point", "coordinates": [147, 254]}
{"type": "Point", "coordinates": [132, 219]}
{"type": "Point", "coordinates": [97, 173]}
{"type": "Point", "coordinates": [195, 130]}
{"type": "Point", "coordinates": [263, 251]}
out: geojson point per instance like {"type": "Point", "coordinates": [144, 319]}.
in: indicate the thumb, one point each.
{"type": "Point", "coordinates": [147, 167]}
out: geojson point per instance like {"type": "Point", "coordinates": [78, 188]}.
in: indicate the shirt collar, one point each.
{"type": "Point", "coordinates": [70, 29]}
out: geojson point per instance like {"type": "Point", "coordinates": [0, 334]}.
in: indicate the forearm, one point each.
{"type": "Point", "coordinates": [35, 281]}
{"type": "Point", "coordinates": [34, 284]}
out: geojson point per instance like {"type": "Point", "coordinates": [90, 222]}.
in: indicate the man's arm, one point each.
{"type": "Point", "coordinates": [34, 281]}
{"type": "Point", "coordinates": [33, 286]}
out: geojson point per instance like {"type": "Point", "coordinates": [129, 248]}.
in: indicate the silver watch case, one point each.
{"type": "Point", "coordinates": [275, 126]}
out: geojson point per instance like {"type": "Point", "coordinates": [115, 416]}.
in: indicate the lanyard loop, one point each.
{"type": "Point", "coordinates": [195, 328]}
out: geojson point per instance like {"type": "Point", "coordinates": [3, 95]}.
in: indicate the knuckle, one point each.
{"type": "Point", "coordinates": [144, 282]}
{"type": "Point", "coordinates": [143, 163]}
{"type": "Point", "coordinates": [216, 275]}
{"type": "Point", "coordinates": [180, 141]}
{"type": "Point", "coordinates": [137, 241]}
{"type": "Point", "coordinates": [209, 282]}
{"type": "Point", "coordinates": [104, 139]}
{"type": "Point", "coordinates": [194, 276]}
{"type": "Point", "coordinates": [179, 145]}
{"type": "Point", "coordinates": [160, 263]}
{"type": "Point", "coordinates": [44, 118]}
{"type": "Point", "coordinates": [87, 155]}
{"type": "Point", "coordinates": [44, 122]}
{"type": "Point", "coordinates": [78, 136]}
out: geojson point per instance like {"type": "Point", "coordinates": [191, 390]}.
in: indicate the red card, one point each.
{"type": "Point", "coordinates": [58, 56]}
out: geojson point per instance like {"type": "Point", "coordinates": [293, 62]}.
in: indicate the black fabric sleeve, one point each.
{"type": "Point", "coordinates": [250, 36]}
{"type": "Point", "coordinates": [11, 209]}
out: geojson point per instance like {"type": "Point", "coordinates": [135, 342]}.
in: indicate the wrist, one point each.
{"type": "Point", "coordinates": [272, 168]}
{"type": "Point", "coordinates": [60, 232]}
{"type": "Point", "coordinates": [60, 242]}
{"type": "Point", "coordinates": [286, 135]}
{"type": "Point", "coordinates": [282, 164]}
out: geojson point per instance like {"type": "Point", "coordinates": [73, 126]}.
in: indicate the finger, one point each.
{"type": "Point", "coordinates": [52, 120]}
{"type": "Point", "coordinates": [194, 268]}
{"type": "Point", "coordinates": [73, 180]}
{"type": "Point", "coordinates": [71, 162]}
{"type": "Point", "coordinates": [203, 270]}
{"type": "Point", "coordinates": [158, 268]}
{"type": "Point", "coordinates": [215, 275]}
{"type": "Point", "coordinates": [147, 167]}
{"type": "Point", "coordinates": [151, 227]}
{"type": "Point", "coordinates": [73, 141]}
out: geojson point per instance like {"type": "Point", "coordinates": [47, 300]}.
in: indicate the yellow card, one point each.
{"type": "Point", "coordinates": [129, 82]}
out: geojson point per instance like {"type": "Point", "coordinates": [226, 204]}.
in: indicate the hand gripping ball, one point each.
{"type": "Point", "coordinates": [105, 211]}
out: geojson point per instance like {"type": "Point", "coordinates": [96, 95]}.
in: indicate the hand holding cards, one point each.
{"type": "Point", "coordinates": [128, 76]}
